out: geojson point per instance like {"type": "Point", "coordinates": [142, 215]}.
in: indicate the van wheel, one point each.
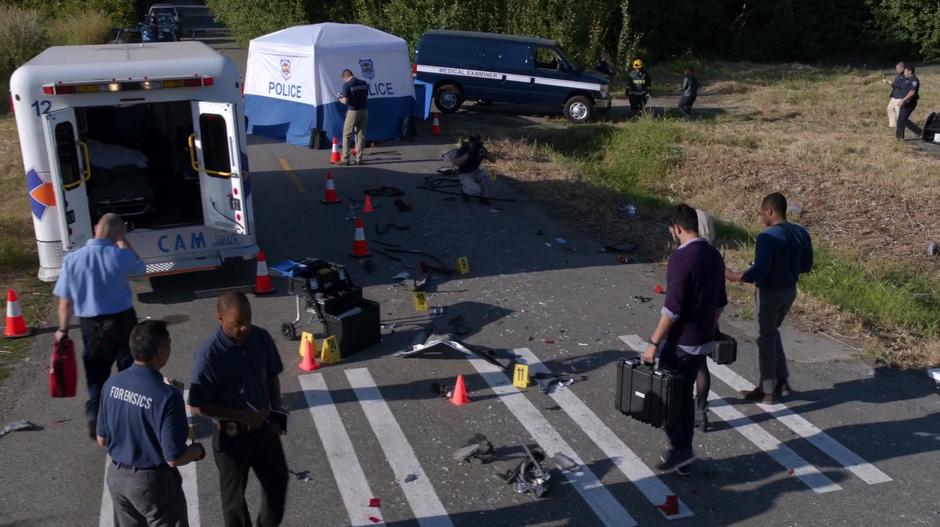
{"type": "Point", "coordinates": [578, 109]}
{"type": "Point", "coordinates": [448, 98]}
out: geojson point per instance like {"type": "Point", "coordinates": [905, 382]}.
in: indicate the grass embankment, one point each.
{"type": "Point", "coordinates": [18, 259]}
{"type": "Point", "coordinates": [819, 136]}
{"type": "Point", "coordinates": [23, 34]}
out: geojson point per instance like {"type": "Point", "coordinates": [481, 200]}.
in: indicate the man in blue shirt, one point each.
{"type": "Point", "coordinates": [908, 104]}
{"type": "Point", "coordinates": [94, 286]}
{"type": "Point", "coordinates": [782, 252]}
{"type": "Point", "coordinates": [235, 383]}
{"type": "Point", "coordinates": [685, 335]}
{"type": "Point", "coordinates": [142, 423]}
{"type": "Point", "coordinates": [355, 95]}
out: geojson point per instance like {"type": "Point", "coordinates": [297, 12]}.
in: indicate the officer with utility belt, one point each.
{"type": "Point", "coordinates": [638, 87]}
{"type": "Point", "coordinates": [142, 422]}
{"type": "Point", "coordinates": [235, 383]}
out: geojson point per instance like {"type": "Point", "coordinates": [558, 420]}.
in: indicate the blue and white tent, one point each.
{"type": "Point", "coordinates": [294, 76]}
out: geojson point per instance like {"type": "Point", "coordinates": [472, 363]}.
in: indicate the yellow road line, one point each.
{"type": "Point", "coordinates": [291, 175]}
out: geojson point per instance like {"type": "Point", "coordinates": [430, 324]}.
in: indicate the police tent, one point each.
{"type": "Point", "coordinates": [294, 78]}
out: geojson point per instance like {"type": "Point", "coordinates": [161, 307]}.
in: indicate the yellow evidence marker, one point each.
{"type": "Point", "coordinates": [463, 265]}
{"type": "Point", "coordinates": [330, 352]}
{"type": "Point", "coordinates": [307, 337]}
{"type": "Point", "coordinates": [520, 376]}
{"type": "Point", "coordinates": [421, 301]}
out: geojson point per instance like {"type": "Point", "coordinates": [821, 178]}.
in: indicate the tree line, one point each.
{"type": "Point", "coordinates": [757, 30]}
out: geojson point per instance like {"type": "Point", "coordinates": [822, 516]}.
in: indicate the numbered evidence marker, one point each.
{"type": "Point", "coordinates": [463, 265]}
{"type": "Point", "coordinates": [520, 376]}
{"type": "Point", "coordinates": [307, 337]}
{"type": "Point", "coordinates": [421, 301]}
{"type": "Point", "coordinates": [330, 352]}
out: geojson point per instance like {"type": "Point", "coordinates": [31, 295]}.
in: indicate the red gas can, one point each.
{"type": "Point", "coordinates": [63, 370]}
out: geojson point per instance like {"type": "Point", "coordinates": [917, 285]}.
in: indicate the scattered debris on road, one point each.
{"type": "Point", "coordinates": [19, 426]}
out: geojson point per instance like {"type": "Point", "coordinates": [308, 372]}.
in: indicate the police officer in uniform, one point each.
{"type": "Point", "coordinates": [142, 423]}
{"type": "Point", "coordinates": [603, 65]}
{"type": "Point", "coordinates": [638, 86]}
{"type": "Point", "coordinates": [909, 103]}
{"type": "Point", "coordinates": [355, 96]}
{"type": "Point", "coordinates": [235, 383]}
{"type": "Point", "coordinates": [473, 177]}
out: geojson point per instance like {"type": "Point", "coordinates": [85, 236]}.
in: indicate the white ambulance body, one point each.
{"type": "Point", "coordinates": [152, 132]}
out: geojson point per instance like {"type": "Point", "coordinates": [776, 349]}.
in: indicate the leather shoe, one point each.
{"type": "Point", "coordinates": [757, 395]}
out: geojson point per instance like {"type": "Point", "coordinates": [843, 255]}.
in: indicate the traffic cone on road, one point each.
{"type": "Point", "coordinates": [334, 155]}
{"type": "Point", "coordinates": [435, 124]}
{"type": "Point", "coordinates": [262, 277]}
{"type": "Point", "coordinates": [360, 247]}
{"type": "Point", "coordinates": [309, 362]}
{"type": "Point", "coordinates": [329, 195]}
{"type": "Point", "coordinates": [367, 205]}
{"type": "Point", "coordinates": [16, 324]}
{"type": "Point", "coordinates": [459, 398]}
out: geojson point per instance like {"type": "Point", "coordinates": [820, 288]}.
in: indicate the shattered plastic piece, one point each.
{"type": "Point", "coordinates": [642, 299]}
{"type": "Point", "coordinates": [373, 519]}
{"type": "Point", "coordinates": [582, 344]}
{"type": "Point", "coordinates": [402, 276]}
{"type": "Point", "coordinates": [548, 341]}
{"type": "Point", "coordinates": [564, 462]}
{"type": "Point", "coordinates": [303, 475]}
{"type": "Point", "coordinates": [791, 472]}
{"type": "Point", "coordinates": [548, 244]}
{"type": "Point", "coordinates": [411, 477]}
{"type": "Point", "coordinates": [659, 289]}
{"type": "Point", "coordinates": [19, 426]}
{"type": "Point", "coordinates": [561, 241]}
{"type": "Point", "coordinates": [375, 502]}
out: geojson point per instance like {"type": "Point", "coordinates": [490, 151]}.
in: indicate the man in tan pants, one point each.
{"type": "Point", "coordinates": [355, 95]}
{"type": "Point", "coordinates": [898, 91]}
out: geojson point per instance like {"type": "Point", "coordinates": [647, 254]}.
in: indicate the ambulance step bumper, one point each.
{"type": "Point", "coordinates": [183, 266]}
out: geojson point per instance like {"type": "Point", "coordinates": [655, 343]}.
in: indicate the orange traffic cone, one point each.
{"type": "Point", "coordinates": [671, 507]}
{"type": "Point", "coordinates": [435, 124]}
{"type": "Point", "coordinates": [334, 155]}
{"type": "Point", "coordinates": [360, 248]}
{"type": "Point", "coordinates": [329, 196]}
{"type": "Point", "coordinates": [367, 205]}
{"type": "Point", "coordinates": [309, 362]}
{"type": "Point", "coordinates": [460, 393]}
{"type": "Point", "coordinates": [262, 278]}
{"type": "Point", "coordinates": [16, 324]}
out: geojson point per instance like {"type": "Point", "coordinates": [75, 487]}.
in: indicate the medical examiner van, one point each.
{"type": "Point", "coordinates": [151, 132]}
{"type": "Point", "coordinates": [491, 67]}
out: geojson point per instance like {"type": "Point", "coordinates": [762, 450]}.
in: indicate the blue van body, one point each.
{"type": "Point", "coordinates": [465, 65]}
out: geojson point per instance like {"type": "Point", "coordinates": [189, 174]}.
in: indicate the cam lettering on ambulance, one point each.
{"type": "Point", "coordinates": [381, 88]}
{"type": "Point", "coordinates": [285, 90]}
{"type": "Point", "coordinates": [197, 240]}
{"type": "Point", "coordinates": [225, 238]}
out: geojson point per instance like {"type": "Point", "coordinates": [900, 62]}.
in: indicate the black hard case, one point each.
{"type": "Point", "coordinates": [726, 349]}
{"type": "Point", "coordinates": [355, 332]}
{"type": "Point", "coordinates": [648, 395]}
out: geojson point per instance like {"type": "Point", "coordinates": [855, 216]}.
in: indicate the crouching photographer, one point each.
{"type": "Point", "coordinates": [473, 178]}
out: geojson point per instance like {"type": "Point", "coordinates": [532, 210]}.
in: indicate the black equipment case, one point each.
{"type": "Point", "coordinates": [648, 395]}
{"type": "Point", "coordinates": [931, 133]}
{"type": "Point", "coordinates": [726, 349]}
{"type": "Point", "coordinates": [356, 328]}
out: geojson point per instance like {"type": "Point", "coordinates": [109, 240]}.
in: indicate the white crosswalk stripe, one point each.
{"type": "Point", "coordinates": [347, 471]}
{"type": "Point", "coordinates": [601, 501]}
{"type": "Point", "coordinates": [621, 455]}
{"type": "Point", "coordinates": [762, 439]}
{"type": "Point", "coordinates": [426, 506]}
{"type": "Point", "coordinates": [821, 440]}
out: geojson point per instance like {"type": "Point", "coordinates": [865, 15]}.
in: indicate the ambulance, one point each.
{"type": "Point", "coordinates": [152, 132]}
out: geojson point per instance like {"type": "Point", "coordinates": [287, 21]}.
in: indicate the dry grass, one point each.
{"type": "Point", "coordinates": [821, 137]}
{"type": "Point", "coordinates": [80, 28]}
{"type": "Point", "coordinates": [18, 257]}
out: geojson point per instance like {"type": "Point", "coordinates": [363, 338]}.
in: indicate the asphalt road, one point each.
{"type": "Point", "coordinates": [853, 446]}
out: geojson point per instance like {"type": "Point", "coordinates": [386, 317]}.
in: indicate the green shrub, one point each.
{"type": "Point", "coordinates": [79, 28]}
{"type": "Point", "coordinates": [248, 20]}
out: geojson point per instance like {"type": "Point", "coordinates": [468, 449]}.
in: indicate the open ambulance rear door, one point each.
{"type": "Point", "coordinates": [214, 153]}
{"type": "Point", "coordinates": [70, 172]}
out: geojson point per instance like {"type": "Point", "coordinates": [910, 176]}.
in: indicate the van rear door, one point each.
{"type": "Point", "coordinates": [214, 153]}
{"type": "Point", "coordinates": [70, 170]}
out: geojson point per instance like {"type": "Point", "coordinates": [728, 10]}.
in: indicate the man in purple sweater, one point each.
{"type": "Point", "coordinates": [685, 335]}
